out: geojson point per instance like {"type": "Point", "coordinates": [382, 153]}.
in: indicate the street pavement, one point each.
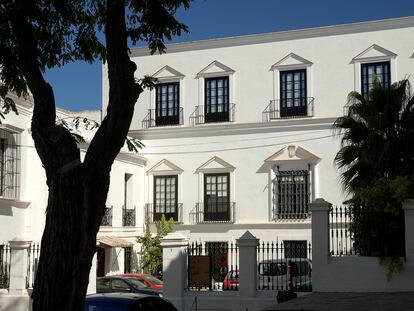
{"type": "Point", "coordinates": [402, 301]}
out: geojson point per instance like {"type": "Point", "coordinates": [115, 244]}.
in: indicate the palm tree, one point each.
{"type": "Point", "coordinates": [378, 136]}
{"type": "Point", "coordinates": [377, 152]}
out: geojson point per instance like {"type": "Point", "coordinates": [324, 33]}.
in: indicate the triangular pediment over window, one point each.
{"type": "Point", "coordinates": [215, 68]}
{"type": "Point", "coordinates": [374, 53]}
{"type": "Point", "coordinates": [215, 165]}
{"type": "Point", "coordinates": [164, 167]}
{"type": "Point", "coordinates": [291, 60]}
{"type": "Point", "coordinates": [168, 72]}
{"type": "Point", "coordinates": [292, 153]}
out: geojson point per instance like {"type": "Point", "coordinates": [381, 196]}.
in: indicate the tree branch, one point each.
{"type": "Point", "coordinates": [123, 93]}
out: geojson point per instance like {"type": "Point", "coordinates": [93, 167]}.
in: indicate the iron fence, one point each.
{"type": "Point", "coordinates": [220, 263]}
{"type": "Point", "coordinates": [341, 237]}
{"type": "Point", "coordinates": [4, 265]}
{"type": "Point", "coordinates": [217, 212]}
{"type": "Point", "coordinates": [33, 255]}
{"type": "Point", "coordinates": [198, 116]}
{"type": "Point", "coordinates": [275, 109]}
{"type": "Point", "coordinates": [163, 117]}
{"type": "Point", "coordinates": [128, 217]}
{"type": "Point", "coordinates": [284, 265]}
{"type": "Point", "coordinates": [154, 212]}
{"type": "Point", "coordinates": [107, 218]}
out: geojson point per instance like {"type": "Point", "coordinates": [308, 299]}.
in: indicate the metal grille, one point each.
{"type": "Point", "coordinates": [9, 164]}
{"type": "Point", "coordinates": [291, 194]}
{"type": "Point", "coordinates": [284, 265]}
{"type": "Point", "coordinates": [152, 216]}
{"type": "Point", "coordinates": [128, 217]}
{"type": "Point", "coordinates": [33, 255]}
{"type": "Point", "coordinates": [223, 264]}
{"type": "Point", "coordinates": [127, 259]}
{"type": "Point", "coordinates": [107, 218]}
{"type": "Point", "coordinates": [4, 265]}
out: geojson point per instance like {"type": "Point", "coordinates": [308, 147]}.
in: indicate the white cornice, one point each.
{"type": "Point", "coordinates": [385, 24]}
{"type": "Point", "coordinates": [233, 128]}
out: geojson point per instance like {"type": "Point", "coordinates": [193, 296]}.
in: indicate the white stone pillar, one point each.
{"type": "Point", "coordinates": [320, 231]}
{"type": "Point", "coordinates": [247, 264]}
{"type": "Point", "coordinates": [408, 207]}
{"type": "Point", "coordinates": [18, 265]}
{"type": "Point", "coordinates": [174, 266]}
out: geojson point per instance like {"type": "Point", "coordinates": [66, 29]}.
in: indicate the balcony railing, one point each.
{"type": "Point", "coordinates": [199, 115]}
{"type": "Point", "coordinates": [220, 212]}
{"type": "Point", "coordinates": [107, 218]}
{"type": "Point", "coordinates": [128, 217]}
{"type": "Point", "coordinates": [163, 117]}
{"type": "Point", "coordinates": [154, 212]}
{"type": "Point", "coordinates": [292, 108]}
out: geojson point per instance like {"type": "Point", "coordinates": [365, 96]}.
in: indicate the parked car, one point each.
{"type": "Point", "coordinates": [110, 284]}
{"type": "Point", "coordinates": [149, 280]}
{"type": "Point", "coordinates": [231, 281]}
{"type": "Point", "coordinates": [126, 302]}
{"type": "Point", "coordinates": [281, 274]}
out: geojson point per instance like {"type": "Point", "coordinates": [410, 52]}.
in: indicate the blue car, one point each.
{"type": "Point", "coordinates": [110, 284]}
{"type": "Point", "coordinates": [126, 302]}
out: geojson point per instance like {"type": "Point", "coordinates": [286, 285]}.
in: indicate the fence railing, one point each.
{"type": "Point", "coordinates": [220, 212]}
{"type": "Point", "coordinates": [284, 265]}
{"type": "Point", "coordinates": [107, 218]}
{"type": "Point", "coordinates": [33, 255]}
{"type": "Point", "coordinates": [154, 212]}
{"type": "Point", "coordinates": [341, 237]}
{"type": "Point", "coordinates": [199, 116]}
{"type": "Point", "coordinates": [303, 108]}
{"type": "Point", "coordinates": [4, 265]}
{"type": "Point", "coordinates": [163, 117]}
{"type": "Point", "coordinates": [221, 259]}
{"type": "Point", "coordinates": [128, 217]}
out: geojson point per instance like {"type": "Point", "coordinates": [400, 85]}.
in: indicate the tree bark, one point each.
{"type": "Point", "coordinates": [77, 191]}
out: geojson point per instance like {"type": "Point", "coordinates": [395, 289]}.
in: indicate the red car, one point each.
{"type": "Point", "coordinates": [231, 282]}
{"type": "Point", "coordinates": [149, 280]}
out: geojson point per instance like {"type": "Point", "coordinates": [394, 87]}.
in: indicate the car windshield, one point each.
{"type": "Point", "coordinates": [137, 283]}
{"type": "Point", "coordinates": [153, 280]}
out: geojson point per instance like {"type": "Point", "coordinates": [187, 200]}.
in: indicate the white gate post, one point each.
{"type": "Point", "coordinates": [174, 266]}
{"type": "Point", "coordinates": [247, 264]}
{"type": "Point", "coordinates": [408, 207]}
{"type": "Point", "coordinates": [18, 266]}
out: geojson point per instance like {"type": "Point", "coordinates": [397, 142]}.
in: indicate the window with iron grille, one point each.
{"type": "Point", "coordinates": [9, 165]}
{"type": "Point", "coordinates": [291, 194]}
{"type": "Point", "coordinates": [127, 259]}
{"type": "Point", "coordinates": [217, 197]}
{"type": "Point", "coordinates": [165, 197]}
{"type": "Point", "coordinates": [293, 97]}
{"type": "Point", "coordinates": [217, 99]}
{"type": "Point", "coordinates": [374, 71]}
{"type": "Point", "coordinates": [167, 103]}
{"type": "Point", "coordinates": [295, 249]}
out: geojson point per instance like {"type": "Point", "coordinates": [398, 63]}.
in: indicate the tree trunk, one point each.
{"type": "Point", "coordinates": [69, 240]}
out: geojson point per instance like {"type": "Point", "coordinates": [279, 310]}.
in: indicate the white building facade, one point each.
{"type": "Point", "coordinates": [238, 131]}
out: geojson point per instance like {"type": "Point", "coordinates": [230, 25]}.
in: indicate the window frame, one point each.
{"type": "Point", "coordinates": [365, 78]}
{"type": "Point", "coordinates": [167, 119]}
{"type": "Point", "coordinates": [224, 115]}
{"type": "Point", "coordinates": [293, 111]}
{"type": "Point", "coordinates": [217, 215]}
{"type": "Point", "coordinates": [158, 215]}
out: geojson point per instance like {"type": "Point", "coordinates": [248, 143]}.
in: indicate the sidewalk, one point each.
{"type": "Point", "coordinates": [403, 301]}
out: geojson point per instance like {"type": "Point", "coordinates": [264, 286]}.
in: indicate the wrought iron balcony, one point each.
{"type": "Point", "coordinates": [200, 116]}
{"type": "Point", "coordinates": [154, 212]}
{"type": "Point", "coordinates": [107, 218]}
{"type": "Point", "coordinates": [217, 212]}
{"type": "Point", "coordinates": [128, 217]}
{"type": "Point", "coordinates": [288, 109]}
{"type": "Point", "coordinates": [163, 117]}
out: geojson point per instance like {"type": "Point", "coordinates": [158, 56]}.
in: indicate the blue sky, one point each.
{"type": "Point", "coordinates": [77, 86]}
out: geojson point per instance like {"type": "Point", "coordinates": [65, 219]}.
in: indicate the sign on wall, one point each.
{"type": "Point", "coordinates": [199, 271]}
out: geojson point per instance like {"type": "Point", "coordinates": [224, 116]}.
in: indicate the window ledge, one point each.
{"type": "Point", "coordinates": [7, 202]}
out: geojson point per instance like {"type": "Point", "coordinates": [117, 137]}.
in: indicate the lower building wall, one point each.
{"type": "Point", "coordinates": [15, 303]}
